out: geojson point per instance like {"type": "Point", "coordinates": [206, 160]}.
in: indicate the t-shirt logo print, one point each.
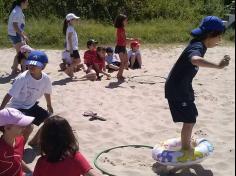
{"type": "Point", "coordinates": [9, 164]}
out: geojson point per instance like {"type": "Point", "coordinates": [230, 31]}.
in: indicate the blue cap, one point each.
{"type": "Point", "coordinates": [209, 24]}
{"type": "Point", "coordinates": [109, 50]}
{"type": "Point", "coordinates": [37, 58]}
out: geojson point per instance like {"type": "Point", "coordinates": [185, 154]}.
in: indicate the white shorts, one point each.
{"type": "Point", "coordinates": [66, 57]}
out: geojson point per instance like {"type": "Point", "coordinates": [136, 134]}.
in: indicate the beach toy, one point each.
{"type": "Point", "coordinates": [169, 153]}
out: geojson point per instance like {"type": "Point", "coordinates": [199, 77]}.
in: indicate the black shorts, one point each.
{"type": "Point", "coordinates": [185, 112]}
{"type": "Point", "coordinates": [120, 49]}
{"type": "Point", "coordinates": [75, 54]}
{"type": "Point", "coordinates": [36, 111]}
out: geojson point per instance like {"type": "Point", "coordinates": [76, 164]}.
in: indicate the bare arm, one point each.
{"type": "Point", "coordinates": [200, 62]}
{"type": "Point", "coordinates": [6, 99]}
{"type": "Point", "coordinates": [16, 28]}
{"type": "Point", "coordinates": [25, 167]}
{"type": "Point", "coordinates": [70, 41]}
{"type": "Point", "coordinates": [92, 172]}
{"type": "Point", "coordinates": [49, 103]}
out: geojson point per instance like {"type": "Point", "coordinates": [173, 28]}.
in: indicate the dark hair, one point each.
{"type": "Point", "coordinates": [119, 21]}
{"type": "Point", "coordinates": [210, 34]}
{"type": "Point", "coordinates": [16, 3]}
{"type": "Point", "coordinates": [2, 129]}
{"type": "Point", "coordinates": [99, 49]}
{"type": "Point", "coordinates": [65, 26]}
{"type": "Point", "coordinates": [57, 140]}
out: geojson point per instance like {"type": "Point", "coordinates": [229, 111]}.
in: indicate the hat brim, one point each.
{"type": "Point", "coordinates": [197, 32]}
{"type": "Point", "coordinates": [35, 63]}
{"type": "Point", "coordinates": [25, 121]}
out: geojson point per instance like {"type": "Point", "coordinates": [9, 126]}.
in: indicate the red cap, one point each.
{"type": "Point", "coordinates": [134, 44]}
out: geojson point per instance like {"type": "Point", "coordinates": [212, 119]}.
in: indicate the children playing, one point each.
{"type": "Point", "coordinates": [179, 90]}
{"type": "Point", "coordinates": [112, 60]}
{"type": "Point", "coordinates": [12, 142]}
{"type": "Point", "coordinates": [72, 43]}
{"type": "Point", "coordinates": [134, 56]}
{"type": "Point", "coordinates": [60, 151]}
{"type": "Point", "coordinates": [121, 42]}
{"type": "Point", "coordinates": [27, 89]}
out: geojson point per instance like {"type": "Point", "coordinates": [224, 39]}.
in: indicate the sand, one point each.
{"type": "Point", "coordinates": [137, 112]}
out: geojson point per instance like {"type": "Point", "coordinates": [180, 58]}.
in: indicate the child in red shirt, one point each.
{"type": "Point", "coordinates": [121, 42]}
{"type": "Point", "coordinates": [60, 151]}
{"type": "Point", "coordinates": [12, 123]}
{"type": "Point", "coordinates": [90, 54]}
{"type": "Point", "coordinates": [99, 64]}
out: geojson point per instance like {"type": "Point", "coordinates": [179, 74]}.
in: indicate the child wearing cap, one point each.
{"type": "Point", "coordinates": [27, 89]}
{"type": "Point", "coordinates": [72, 43]}
{"type": "Point", "coordinates": [112, 60]}
{"type": "Point", "coordinates": [12, 142]}
{"type": "Point", "coordinates": [178, 88]}
{"type": "Point", "coordinates": [60, 151]}
{"type": "Point", "coordinates": [134, 56]}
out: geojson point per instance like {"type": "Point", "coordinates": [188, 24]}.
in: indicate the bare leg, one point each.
{"type": "Point", "coordinates": [27, 131]}
{"type": "Point", "coordinates": [15, 62]}
{"type": "Point", "coordinates": [186, 135]}
{"type": "Point", "coordinates": [132, 61]}
{"type": "Point", "coordinates": [139, 59]}
{"type": "Point", "coordinates": [124, 63]}
{"type": "Point", "coordinates": [35, 141]}
{"type": "Point", "coordinates": [92, 76]}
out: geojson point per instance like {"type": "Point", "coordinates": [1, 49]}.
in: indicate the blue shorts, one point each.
{"type": "Point", "coordinates": [15, 39]}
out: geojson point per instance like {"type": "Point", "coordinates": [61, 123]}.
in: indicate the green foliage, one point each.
{"type": "Point", "coordinates": [107, 10]}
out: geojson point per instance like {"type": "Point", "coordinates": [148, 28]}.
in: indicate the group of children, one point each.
{"type": "Point", "coordinates": [97, 60]}
{"type": "Point", "coordinates": [20, 109]}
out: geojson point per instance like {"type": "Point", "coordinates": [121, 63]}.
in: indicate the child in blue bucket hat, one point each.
{"type": "Point", "coordinates": [178, 89]}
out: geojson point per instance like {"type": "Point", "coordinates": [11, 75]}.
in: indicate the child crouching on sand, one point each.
{"type": "Point", "coordinates": [12, 124]}
{"type": "Point", "coordinates": [99, 64]}
{"type": "Point", "coordinates": [134, 56]}
{"type": "Point", "coordinates": [60, 151]}
{"type": "Point", "coordinates": [178, 88]}
{"type": "Point", "coordinates": [112, 60]}
{"type": "Point", "coordinates": [27, 89]}
{"type": "Point", "coordinates": [25, 50]}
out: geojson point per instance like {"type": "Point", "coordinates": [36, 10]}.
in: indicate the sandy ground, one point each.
{"type": "Point", "coordinates": [137, 112]}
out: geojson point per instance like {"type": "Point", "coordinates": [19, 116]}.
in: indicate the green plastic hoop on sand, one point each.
{"type": "Point", "coordinates": [108, 150]}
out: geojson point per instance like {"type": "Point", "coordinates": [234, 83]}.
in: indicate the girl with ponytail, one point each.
{"type": "Point", "coordinates": [16, 25]}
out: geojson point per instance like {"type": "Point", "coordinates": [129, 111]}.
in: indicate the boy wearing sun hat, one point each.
{"type": "Point", "coordinates": [28, 88]}
{"type": "Point", "coordinates": [12, 123]}
{"type": "Point", "coordinates": [179, 90]}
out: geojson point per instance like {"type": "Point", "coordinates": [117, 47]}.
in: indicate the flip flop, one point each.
{"type": "Point", "coordinates": [89, 114]}
{"type": "Point", "coordinates": [97, 118]}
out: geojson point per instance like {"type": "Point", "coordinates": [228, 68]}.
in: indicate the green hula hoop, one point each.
{"type": "Point", "coordinates": [108, 150]}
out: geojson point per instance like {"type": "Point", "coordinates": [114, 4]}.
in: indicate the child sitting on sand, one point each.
{"type": "Point", "coordinates": [91, 53]}
{"type": "Point", "coordinates": [27, 89]}
{"type": "Point", "coordinates": [179, 90]}
{"type": "Point", "coordinates": [99, 64]}
{"type": "Point", "coordinates": [60, 151]}
{"type": "Point", "coordinates": [12, 123]}
{"type": "Point", "coordinates": [66, 61]}
{"type": "Point", "coordinates": [134, 56]}
{"type": "Point", "coordinates": [112, 60]}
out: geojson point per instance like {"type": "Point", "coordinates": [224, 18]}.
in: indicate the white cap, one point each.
{"type": "Point", "coordinates": [71, 16]}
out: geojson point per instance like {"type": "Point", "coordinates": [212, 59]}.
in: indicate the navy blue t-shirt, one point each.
{"type": "Point", "coordinates": [179, 83]}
